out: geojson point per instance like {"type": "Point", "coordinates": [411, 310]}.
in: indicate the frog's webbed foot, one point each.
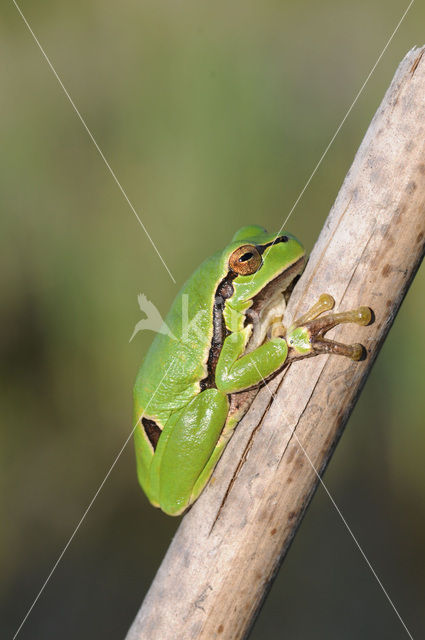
{"type": "Point", "coordinates": [306, 336]}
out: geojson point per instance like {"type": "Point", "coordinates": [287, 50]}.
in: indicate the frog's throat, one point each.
{"type": "Point", "coordinates": [269, 304]}
{"type": "Point", "coordinates": [266, 304]}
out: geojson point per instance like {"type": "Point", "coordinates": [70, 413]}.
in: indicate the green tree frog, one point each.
{"type": "Point", "coordinates": [224, 339]}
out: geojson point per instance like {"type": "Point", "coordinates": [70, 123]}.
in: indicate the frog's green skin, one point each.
{"type": "Point", "coordinates": [225, 338]}
{"type": "Point", "coordinates": [185, 421]}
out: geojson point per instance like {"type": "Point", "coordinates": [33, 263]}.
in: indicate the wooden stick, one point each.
{"type": "Point", "coordinates": [230, 545]}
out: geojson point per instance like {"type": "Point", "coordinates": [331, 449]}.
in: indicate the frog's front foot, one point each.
{"type": "Point", "coordinates": [306, 336]}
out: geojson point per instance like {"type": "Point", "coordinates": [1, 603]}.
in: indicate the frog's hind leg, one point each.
{"type": "Point", "coordinates": [306, 335]}
{"type": "Point", "coordinates": [209, 467]}
{"type": "Point", "coordinates": [239, 404]}
{"type": "Point", "coordinates": [193, 441]}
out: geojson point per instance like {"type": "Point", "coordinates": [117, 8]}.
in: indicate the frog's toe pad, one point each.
{"type": "Point", "coordinates": [364, 316]}
{"type": "Point", "coordinates": [326, 302]}
{"type": "Point", "coordinates": [358, 351]}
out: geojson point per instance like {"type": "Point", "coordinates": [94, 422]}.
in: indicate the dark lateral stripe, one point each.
{"type": "Point", "coordinates": [152, 431]}
{"type": "Point", "coordinates": [223, 292]}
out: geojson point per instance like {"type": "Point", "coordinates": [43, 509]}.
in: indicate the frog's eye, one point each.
{"type": "Point", "coordinates": [245, 260]}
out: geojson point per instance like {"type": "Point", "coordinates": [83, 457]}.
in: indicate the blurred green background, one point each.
{"type": "Point", "coordinates": [213, 115]}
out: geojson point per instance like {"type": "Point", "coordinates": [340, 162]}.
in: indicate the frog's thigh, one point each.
{"type": "Point", "coordinates": [226, 434]}
{"type": "Point", "coordinates": [189, 448]}
{"type": "Point", "coordinates": [235, 373]}
{"type": "Point", "coordinates": [209, 467]}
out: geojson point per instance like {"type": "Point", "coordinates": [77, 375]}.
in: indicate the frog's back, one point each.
{"type": "Point", "coordinates": [175, 364]}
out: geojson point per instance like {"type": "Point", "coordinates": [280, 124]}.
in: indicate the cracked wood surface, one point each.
{"type": "Point", "coordinates": [229, 546]}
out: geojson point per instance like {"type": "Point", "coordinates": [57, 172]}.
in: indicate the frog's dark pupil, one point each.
{"type": "Point", "coordinates": [284, 238]}
{"type": "Point", "coordinates": [245, 257]}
